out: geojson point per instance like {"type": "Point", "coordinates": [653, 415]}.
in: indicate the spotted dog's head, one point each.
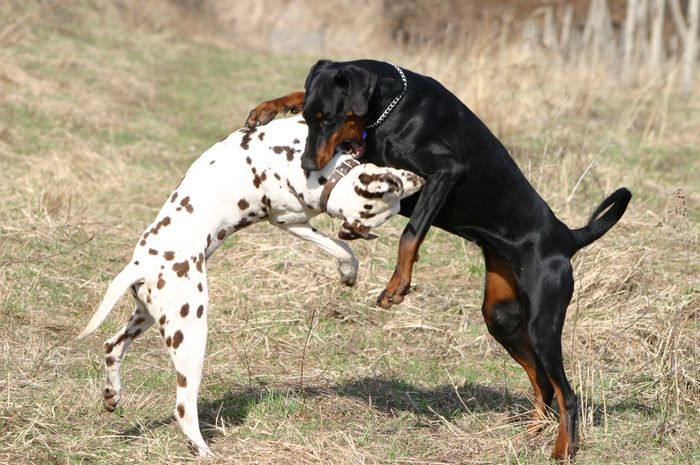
{"type": "Point", "coordinates": [368, 196]}
{"type": "Point", "coordinates": [335, 108]}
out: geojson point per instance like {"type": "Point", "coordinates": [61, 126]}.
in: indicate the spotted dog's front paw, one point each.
{"type": "Point", "coordinates": [348, 272]}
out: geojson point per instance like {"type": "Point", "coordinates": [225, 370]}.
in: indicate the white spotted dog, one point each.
{"type": "Point", "coordinates": [252, 175]}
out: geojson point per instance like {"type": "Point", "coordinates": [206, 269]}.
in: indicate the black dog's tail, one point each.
{"type": "Point", "coordinates": [596, 227]}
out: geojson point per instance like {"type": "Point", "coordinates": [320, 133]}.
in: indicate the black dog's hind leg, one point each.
{"type": "Point", "coordinates": [505, 319]}
{"type": "Point", "coordinates": [549, 287]}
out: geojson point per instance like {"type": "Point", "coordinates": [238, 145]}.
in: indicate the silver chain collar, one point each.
{"type": "Point", "coordinates": [393, 103]}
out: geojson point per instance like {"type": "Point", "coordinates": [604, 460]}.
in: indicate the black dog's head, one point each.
{"type": "Point", "coordinates": [335, 108]}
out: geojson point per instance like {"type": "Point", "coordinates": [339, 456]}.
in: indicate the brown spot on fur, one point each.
{"type": "Point", "coordinates": [208, 240]}
{"type": "Point", "coordinates": [242, 224]}
{"type": "Point", "coordinates": [364, 214]}
{"type": "Point", "coordinates": [162, 319]}
{"type": "Point", "coordinates": [212, 162]}
{"type": "Point", "coordinates": [181, 379]}
{"type": "Point", "coordinates": [266, 201]}
{"type": "Point", "coordinates": [221, 235]}
{"type": "Point", "coordinates": [200, 311]}
{"type": "Point", "coordinates": [136, 262]}
{"type": "Point", "coordinates": [120, 340]}
{"type": "Point", "coordinates": [243, 204]}
{"type": "Point", "coordinates": [248, 160]}
{"type": "Point", "coordinates": [169, 255]}
{"type": "Point", "coordinates": [277, 176]}
{"type": "Point", "coordinates": [143, 242]}
{"type": "Point", "coordinates": [181, 268]}
{"type": "Point", "coordinates": [278, 149]}
{"type": "Point", "coordinates": [245, 141]}
{"type": "Point", "coordinates": [178, 337]}
{"type": "Point", "coordinates": [296, 141]}
{"type": "Point", "coordinates": [109, 361]}
{"type": "Point", "coordinates": [161, 281]}
{"type": "Point", "coordinates": [291, 188]}
{"type": "Point", "coordinates": [261, 136]}
{"type": "Point", "coordinates": [152, 251]}
{"type": "Point", "coordinates": [161, 224]}
{"type": "Point", "coordinates": [187, 205]}
{"type": "Point", "coordinates": [200, 262]}
{"type": "Point", "coordinates": [200, 288]}
{"type": "Point", "coordinates": [169, 341]}
{"type": "Point", "coordinates": [181, 410]}
{"type": "Point", "coordinates": [108, 347]}
{"type": "Point", "coordinates": [173, 197]}
{"type": "Point", "coordinates": [185, 310]}
{"type": "Point", "coordinates": [367, 194]}
{"type": "Point", "coordinates": [257, 181]}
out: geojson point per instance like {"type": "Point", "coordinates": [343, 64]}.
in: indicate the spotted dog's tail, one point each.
{"type": "Point", "coordinates": [129, 276]}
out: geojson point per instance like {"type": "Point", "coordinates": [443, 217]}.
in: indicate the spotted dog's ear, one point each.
{"type": "Point", "coordinates": [353, 231]}
{"type": "Point", "coordinates": [360, 86]}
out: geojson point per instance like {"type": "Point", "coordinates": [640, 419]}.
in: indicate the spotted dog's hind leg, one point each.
{"type": "Point", "coordinates": [116, 347]}
{"type": "Point", "coordinates": [183, 325]}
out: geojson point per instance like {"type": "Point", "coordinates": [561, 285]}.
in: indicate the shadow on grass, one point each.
{"type": "Point", "coordinates": [388, 395]}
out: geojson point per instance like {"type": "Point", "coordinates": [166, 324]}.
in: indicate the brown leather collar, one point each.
{"type": "Point", "coordinates": [340, 171]}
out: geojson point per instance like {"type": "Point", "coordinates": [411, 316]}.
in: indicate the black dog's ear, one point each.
{"type": "Point", "coordinates": [360, 86]}
{"type": "Point", "coordinates": [320, 64]}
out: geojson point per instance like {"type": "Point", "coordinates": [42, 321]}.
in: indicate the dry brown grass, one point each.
{"type": "Point", "coordinates": [102, 110]}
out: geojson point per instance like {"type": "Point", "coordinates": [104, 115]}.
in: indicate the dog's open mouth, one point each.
{"type": "Point", "coordinates": [353, 145]}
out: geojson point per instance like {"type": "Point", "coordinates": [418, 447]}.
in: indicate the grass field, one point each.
{"type": "Point", "coordinates": [100, 119]}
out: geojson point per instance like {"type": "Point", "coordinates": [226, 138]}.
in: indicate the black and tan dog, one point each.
{"type": "Point", "coordinates": [473, 189]}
